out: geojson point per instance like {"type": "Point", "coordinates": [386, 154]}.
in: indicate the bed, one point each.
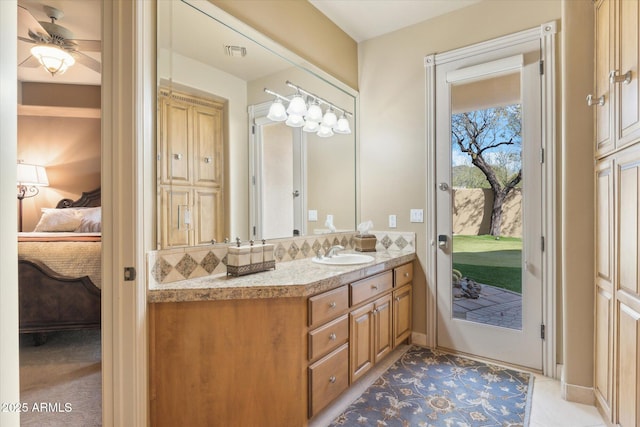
{"type": "Point", "coordinates": [59, 269]}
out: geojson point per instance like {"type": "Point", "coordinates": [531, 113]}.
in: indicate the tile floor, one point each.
{"type": "Point", "coordinates": [548, 409]}
{"type": "Point", "coordinates": [495, 306]}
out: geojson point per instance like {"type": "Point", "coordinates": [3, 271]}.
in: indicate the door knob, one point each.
{"type": "Point", "coordinates": [443, 186]}
{"type": "Point", "coordinates": [442, 241]}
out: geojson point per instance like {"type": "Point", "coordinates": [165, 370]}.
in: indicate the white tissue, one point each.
{"type": "Point", "coordinates": [329, 224]}
{"type": "Point", "coordinates": [365, 227]}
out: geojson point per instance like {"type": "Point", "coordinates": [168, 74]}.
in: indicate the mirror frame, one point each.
{"type": "Point", "coordinates": [236, 25]}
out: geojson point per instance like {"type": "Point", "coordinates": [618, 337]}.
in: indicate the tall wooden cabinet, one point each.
{"type": "Point", "coordinates": [617, 228]}
{"type": "Point", "coordinates": [190, 169]}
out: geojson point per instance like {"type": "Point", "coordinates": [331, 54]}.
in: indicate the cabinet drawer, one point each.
{"type": "Point", "coordinates": [328, 378]}
{"type": "Point", "coordinates": [403, 275]}
{"type": "Point", "coordinates": [328, 337]}
{"type": "Point", "coordinates": [328, 305]}
{"type": "Point", "coordinates": [369, 288]}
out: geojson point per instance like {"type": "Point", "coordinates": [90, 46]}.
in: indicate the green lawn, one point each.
{"type": "Point", "coordinates": [490, 261]}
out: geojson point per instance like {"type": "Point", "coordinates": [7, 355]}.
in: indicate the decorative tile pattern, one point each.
{"type": "Point", "coordinates": [167, 266]}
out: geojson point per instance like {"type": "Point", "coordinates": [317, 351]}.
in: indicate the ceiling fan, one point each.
{"type": "Point", "coordinates": [54, 45]}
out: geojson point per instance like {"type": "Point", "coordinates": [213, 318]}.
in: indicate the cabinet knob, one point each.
{"type": "Point", "coordinates": [332, 304]}
{"type": "Point", "coordinates": [397, 298]}
{"type": "Point", "coordinates": [615, 78]}
{"type": "Point", "coordinates": [208, 159]}
{"type": "Point", "coordinates": [406, 274]}
{"type": "Point", "coordinates": [177, 156]}
{"type": "Point", "coordinates": [333, 337]}
{"type": "Point", "coordinates": [332, 379]}
{"type": "Point", "coordinates": [374, 287]}
{"type": "Point", "coordinates": [591, 101]}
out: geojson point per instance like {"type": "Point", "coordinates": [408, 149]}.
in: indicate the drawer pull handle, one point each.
{"type": "Point", "coordinates": [332, 304]}
{"type": "Point", "coordinates": [333, 337]}
{"type": "Point", "coordinates": [595, 101]}
{"type": "Point", "coordinates": [397, 298]}
{"type": "Point", "coordinates": [332, 379]}
{"type": "Point", "coordinates": [406, 274]}
{"type": "Point", "coordinates": [374, 287]}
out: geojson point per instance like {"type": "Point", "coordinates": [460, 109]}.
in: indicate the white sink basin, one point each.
{"type": "Point", "coordinates": [344, 259]}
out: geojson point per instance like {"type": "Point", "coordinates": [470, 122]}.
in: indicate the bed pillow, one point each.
{"type": "Point", "coordinates": [89, 226]}
{"type": "Point", "coordinates": [58, 220]}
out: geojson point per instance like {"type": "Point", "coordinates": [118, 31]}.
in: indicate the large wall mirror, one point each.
{"type": "Point", "coordinates": [225, 170]}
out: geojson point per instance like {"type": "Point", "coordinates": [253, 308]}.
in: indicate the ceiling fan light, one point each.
{"type": "Point", "coordinates": [52, 58]}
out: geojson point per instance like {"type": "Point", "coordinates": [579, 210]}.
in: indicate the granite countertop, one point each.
{"type": "Point", "coordinates": [299, 278]}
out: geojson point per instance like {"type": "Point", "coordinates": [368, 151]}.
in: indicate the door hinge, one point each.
{"type": "Point", "coordinates": [253, 129]}
{"type": "Point", "coordinates": [542, 331]}
{"type": "Point", "coordinates": [254, 230]}
{"type": "Point", "coordinates": [542, 67]}
{"type": "Point", "coordinates": [253, 180]}
{"type": "Point", "coordinates": [541, 155]}
{"type": "Point", "coordinates": [542, 243]}
{"type": "Point", "coordinates": [129, 274]}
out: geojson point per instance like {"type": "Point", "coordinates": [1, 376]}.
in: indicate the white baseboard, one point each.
{"type": "Point", "coordinates": [419, 339]}
{"type": "Point", "coordinates": [559, 370]}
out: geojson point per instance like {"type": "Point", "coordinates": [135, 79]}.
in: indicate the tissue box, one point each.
{"type": "Point", "coordinates": [365, 243]}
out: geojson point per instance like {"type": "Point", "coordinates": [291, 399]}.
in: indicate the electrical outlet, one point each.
{"type": "Point", "coordinates": [330, 218]}
{"type": "Point", "coordinates": [417, 215]}
{"type": "Point", "coordinates": [313, 215]}
{"type": "Point", "coordinates": [392, 221]}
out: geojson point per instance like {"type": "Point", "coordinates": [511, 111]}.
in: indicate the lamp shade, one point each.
{"type": "Point", "coordinates": [314, 113]}
{"type": "Point", "coordinates": [294, 121]}
{"type": "Point", "coordinates": [311, 126]}
{"type": "Point", "coordinates": [297, 106]}
{"type": "Point", "coordinates": [325, 131]}
{"type": "Point", "coordinates": [329, 120]}
{"type": "Point", "coordinates": [277, 112]}
{"type": "Point", "coordinates": [342, 126]}
{"type": "Point", "coordinates": [54, 59]}
{"type": "Point", "coordinates": [32, 175]}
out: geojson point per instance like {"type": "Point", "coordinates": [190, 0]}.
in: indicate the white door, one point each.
{"type": "Point", "coordinates": [278, 196]}
{"type": "Point", "coordinates": [489, 201]}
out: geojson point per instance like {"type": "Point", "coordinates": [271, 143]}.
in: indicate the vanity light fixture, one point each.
{"type": "Point", "coordinates": [307, 113]}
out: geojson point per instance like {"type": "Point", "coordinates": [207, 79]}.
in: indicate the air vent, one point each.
{"type": "Point", "coordinates": [236, 51]}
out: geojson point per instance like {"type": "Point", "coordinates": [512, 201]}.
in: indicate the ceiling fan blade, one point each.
{"type": "Point", "coordinates": [88, 45]}
{"type": "Point", "coordinates": [30, 62]}
{"type": "Point", "coordinates": [27, 22]}
{"type": "Point", "coordinates": [24, 39]}
{"type": "Point", "coordinates": [88, 62]}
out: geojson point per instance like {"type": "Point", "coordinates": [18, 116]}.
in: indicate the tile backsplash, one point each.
{"type": "Point", "coordinates": [172, 265]}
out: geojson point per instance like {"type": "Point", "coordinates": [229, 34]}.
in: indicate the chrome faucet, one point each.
{"type": "Point", "coordinates": [333, 250]}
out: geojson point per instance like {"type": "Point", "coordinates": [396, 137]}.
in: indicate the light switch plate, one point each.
{"type": "Point", "coordinates": [417, 215]}
{"type": "Point", "coordinates": [392, 221]}
{"type": "Point", "coordinates": [313, 215]}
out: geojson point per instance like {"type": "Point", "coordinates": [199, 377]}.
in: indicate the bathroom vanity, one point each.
{"type": "Point", "coordinates": [273, 348]}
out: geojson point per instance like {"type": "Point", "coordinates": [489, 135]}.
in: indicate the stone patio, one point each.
{"type": "Point", "coordinates": [495, 306]}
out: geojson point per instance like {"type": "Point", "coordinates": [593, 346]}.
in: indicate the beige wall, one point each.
{"type": "Point", "coordinates": [69, 147]}
{"type": "Point", "coordinates": [304, 30]}
{"type": "Point", "coordinates": [472, 212]}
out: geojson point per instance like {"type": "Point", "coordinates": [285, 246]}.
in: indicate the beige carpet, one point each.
{"type": "Point", "coordinates": [60, 381]}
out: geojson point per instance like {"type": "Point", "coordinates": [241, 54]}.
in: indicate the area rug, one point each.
{"type": "Point", "coordinates": [429, 388]}
{"type": "Point", "coordinates": [61, 381]}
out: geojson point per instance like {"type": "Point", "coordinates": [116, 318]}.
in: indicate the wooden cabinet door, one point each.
{"type": "Point", "coordinates": [208, 222]}
{"type": "Point", "coordinates": [175, 204]}
{"type": "Point", "coordinates": [402, 314]}
{"type": "Point", "coordinates": [628, 228]}
{"type": "Point", "coordinates": [604, 286]}
{"type": "Point", "coordinates": [383, 327]}
{"type": "Point", "coordinates": [361, 341]}
{"type": "Point", "coordinates": [628, 378]}
{"type": "Point", "coordinates": [208, 158]}
{"type": "Point", "coordinates": [603, 64]}
{"type": "Point", "coordinates": [174, 142]}
{"type": "Point", "coordinates": [628, 61]}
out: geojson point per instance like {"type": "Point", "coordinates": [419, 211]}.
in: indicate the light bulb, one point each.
{"type": "Point", "coordinates": [297, 106]}
{"type": "Point", "coordinates": [314, 113]}
{"type": "Point", "coordinates": [342, 126]}
{"type": "Point", "coordinates": [311, 126]}
{"type": "Point", "coordinates": [294, 121]}
{"type": "Point", "coordinates": [325, 131]}
{"type": "Point", "coordinates": [329, 120]}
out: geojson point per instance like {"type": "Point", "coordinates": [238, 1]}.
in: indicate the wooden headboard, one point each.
{"type": "Point", "coordinates": [89, 199]}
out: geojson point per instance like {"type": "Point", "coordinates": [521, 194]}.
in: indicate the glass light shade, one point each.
{"type": "Point", "coordinates": [329, 120]}
{"type": "Point", "coordinates": [32, 175]}
{"type": "Point", "coordinates": [294, 121]}
{"type": "Point", "coordinates": [54, 59]}
{"type": "Point", "coordinates": [277, 112]}
{"type": "Point", "coordinates": [314, 113]}
{"type": "Point", "coordinates": [297, 106]}
{"type": "Point", "coordinates": [325, 131]}
{"type": "Point", "coordinates": [342, 126]}
{"type": "Point", "coordinates": [311, 126]}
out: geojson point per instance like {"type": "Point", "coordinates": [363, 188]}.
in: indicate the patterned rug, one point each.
{"type": "Point", "coordinates": [429, 388]}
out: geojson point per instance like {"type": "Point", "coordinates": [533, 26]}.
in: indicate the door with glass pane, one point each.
{"type": "Point", "coordinates": [488, 170]}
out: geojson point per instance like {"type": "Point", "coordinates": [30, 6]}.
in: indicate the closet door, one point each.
{"type": "Point", "coordinates": [628, 286]}
{"type": "Point", "coordinates": [604, 291]}
{"type": "Point", "coordinates": [626, 71]}
{"type": "Point", "coordinates": [603, 64]}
